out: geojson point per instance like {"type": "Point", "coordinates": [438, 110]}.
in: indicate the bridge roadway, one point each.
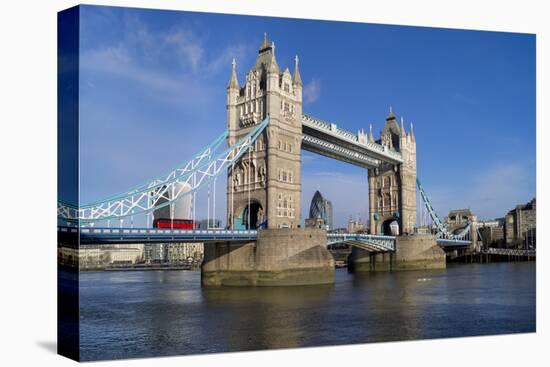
{"type": "Point", "coordinates": [445, 243]}
{"type": "Point", "coordinates": [328, 139]}
{"type": "Point", "coordinates": [105, 236]}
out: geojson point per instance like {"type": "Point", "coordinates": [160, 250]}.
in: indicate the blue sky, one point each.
{"type": "Point", "coordinates": [153, 89]}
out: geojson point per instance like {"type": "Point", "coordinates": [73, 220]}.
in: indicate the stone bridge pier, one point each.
{"type": "Point", "coordinates": [417, 252]}
{"type": "Point", "coordinates": [279, 257]}
{"type": "Point", "coordinates": [264, 186]}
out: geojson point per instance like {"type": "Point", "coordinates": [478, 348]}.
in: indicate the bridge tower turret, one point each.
{"type": "Point", "coordinates": [392, 187]}
{"type": "Point", "coordinates": [264, 186]}
{"type": "Point", "coordinates": [407, 171]}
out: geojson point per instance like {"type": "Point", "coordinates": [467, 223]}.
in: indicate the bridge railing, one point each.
{"type": "Point", "coordinates": [510, 251]}
{"type": "Point", "coordinates": [453, 242]}
{"type": "Point", "coordinates": [385, 242]}
{"type": "Point", "coordinates": [160, 193]}
{"type": "Point", "coordinates": [351, 154]}
{"type": "Point", "coordinates": [333, 129]}
{"type": "Point", "coordinates": [144, 231]}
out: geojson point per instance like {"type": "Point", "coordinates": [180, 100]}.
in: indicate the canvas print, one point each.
{"type": "Point", "coordinates": [233, 183]}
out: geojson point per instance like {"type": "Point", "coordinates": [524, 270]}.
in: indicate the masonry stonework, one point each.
{"type": "Point", "coordinates": [418, 252]}
{"type": "Point", "coordinates": [279, 257]}
{"type": "Point", "coordinates": [392, 187]}
{"type": "Point", "coordinates": [264, 186]}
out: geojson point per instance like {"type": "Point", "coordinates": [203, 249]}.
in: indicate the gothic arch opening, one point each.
{"type": "Point", "coordinates": [390, 227]}
{"type": "Point", "coordinates": [256, 216]}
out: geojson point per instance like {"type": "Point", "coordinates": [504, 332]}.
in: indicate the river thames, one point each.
{"type": "Point", "coordinates": [136, 314]}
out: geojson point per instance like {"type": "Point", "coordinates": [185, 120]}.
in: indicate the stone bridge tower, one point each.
{"type": "Point", "coordinates": [264, 187]}
{"type": "Point", "coordinates": [392, 188]}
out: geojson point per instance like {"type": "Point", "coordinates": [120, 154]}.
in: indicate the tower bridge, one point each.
{"type": "Point", "coordinates": [264, 243]}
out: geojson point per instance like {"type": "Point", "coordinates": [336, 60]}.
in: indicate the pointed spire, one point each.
{"type": "Point", "coordinates": [411, 133]}
{"type": "Point", "coordinates": [265, 43]}
{"type": "Point", "coordinates": [273, 47]}
{"type": "Point", "coordinates": [402, 127]}
{"type": "Point", "coordinates": [297, 79]}
{"type": "Point", "coordinates": [273, 67]}
{"type": "Point", "coordinates": [233, 82]}
{"type": "Point", "coordinates": [391, 116]}
{"type": "Point", "coordinates": [371, 138]}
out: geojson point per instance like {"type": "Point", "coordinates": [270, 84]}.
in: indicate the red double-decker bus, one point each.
{"type": "Point", "coordinates": [174, 223]}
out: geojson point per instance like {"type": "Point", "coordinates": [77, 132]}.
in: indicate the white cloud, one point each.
{"type": "Point", "coordinates": [489, 193]}
{"type": "Point", "coordinates": [312, 91]}
{"type": "Point", "coordinates": [172, 65]}
{"type": "Point", "coordinates": [500, 188]}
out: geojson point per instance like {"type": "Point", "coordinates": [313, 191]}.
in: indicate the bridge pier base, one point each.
{"type": "Point", "coordinates": [279, 257]}
{"type": "Point", "coordinates": [418, 252]}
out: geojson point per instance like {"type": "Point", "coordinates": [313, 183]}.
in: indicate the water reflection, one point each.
{"type": "Point", "coordinates": [151, 313]}
{"type": "Point", "coordinates": [269, 317]}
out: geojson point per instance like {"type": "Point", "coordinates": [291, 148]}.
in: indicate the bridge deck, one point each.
{"type": "Point", "coordinates": [327, 139]}
{"type": "Point", "coordinates": [453, 243]}
{"type": "Point", "coordinates": [99, 235]}
{"type": "Point", "coordinates": [152, 235]}
{"type": "Point", "coordinates": [372, 243]}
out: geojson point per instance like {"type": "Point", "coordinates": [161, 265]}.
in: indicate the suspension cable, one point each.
{"type": "Point", "coordinates": [208, 208]}
{"type": "Point", "coordinates": [232, 185]}
{"type": "Point", "coordinates": [442, 230]}
{"type": "Point", "coordinates": [214, 206]}
{"type": "Point", "coordinates": [249, 183]}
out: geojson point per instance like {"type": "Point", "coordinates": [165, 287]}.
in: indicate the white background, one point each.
{"type": "Point", "coordinates": [28, 182]}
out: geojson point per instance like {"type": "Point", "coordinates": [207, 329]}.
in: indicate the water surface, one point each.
{"type": "Point", "coordinates": [160, 313]}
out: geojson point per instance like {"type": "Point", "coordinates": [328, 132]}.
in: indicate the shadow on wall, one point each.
{"type": "Point", "coordinates": [48, 345]}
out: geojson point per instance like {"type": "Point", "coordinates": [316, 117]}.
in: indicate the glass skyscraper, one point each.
{"type": "Point", "coordinates": [321, 208]}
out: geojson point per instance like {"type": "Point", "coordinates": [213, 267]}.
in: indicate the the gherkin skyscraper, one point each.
{"type": "Point", "coordinates": [321, 209]}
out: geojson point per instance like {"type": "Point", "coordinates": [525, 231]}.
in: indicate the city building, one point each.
{"type": "Point", "coordinates": [459, 219]}
{"type": "Point", "coordinates": [94, 256]}
{"type": "Point", "coordinates": [173, 252]}
{"type": "Point", "coordinates": [329, 209]}
{"type": "Point", "coordinates": [520, 225]}
{"type": "Point", "coordinates": [320, 212]}
{"type": "Point", "coordinates": [181, 252]}
{"type": "Point", "coordinates": [491, 231]}
{"type": "Point", "coordinates": [123, 254]}
{"type": "Point", "coordinates": [492, 236]}
{"type": "Point", "coordinates": [355, 226]}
